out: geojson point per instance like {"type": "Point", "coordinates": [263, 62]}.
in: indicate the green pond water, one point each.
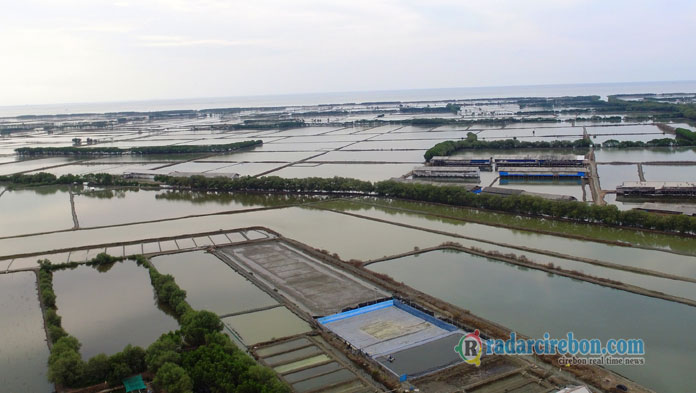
{"type": "Point", "coordinates": [533, 302]}
{"type": "Point", "coordinates": [266, 325]}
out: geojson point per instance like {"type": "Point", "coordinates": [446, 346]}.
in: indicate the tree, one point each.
{"type": "Point", "coordinates": [97, 369]}
{"type": "Point", "coordinates": [196, 324]}
{"type": "Point", "coordinates": [165, 349]}
{"type": "Point", "coordinates": [134, 357]}
{"type": "Point", "coordinates": [66, 369]}
{"type": "Point", "coordinates": [173, 378]}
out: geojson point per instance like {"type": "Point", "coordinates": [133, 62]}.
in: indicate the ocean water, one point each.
{"type": "Point", "coordinates": [601, 89]}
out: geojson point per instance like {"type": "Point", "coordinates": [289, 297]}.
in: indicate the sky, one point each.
{"type": "Point", "coordinates": [56, 51]}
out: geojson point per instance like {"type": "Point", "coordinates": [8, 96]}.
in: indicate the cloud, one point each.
{"type": "Point", "coordinates": [84, 50]}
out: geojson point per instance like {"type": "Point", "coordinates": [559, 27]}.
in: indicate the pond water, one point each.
{"type": "Point", "coordinates": [670, 173]}
{"type": "Point", "coordinates": [210, 284]}
{"type": "Point", "coordinates": [261, 326]}
{"type": "Point", "coordinates": [407, 156]}
{"type": "Point", "coordinates": [649, 259]}
{"type": "Point", "coordinates": [500, 292]}
{"type": "Point", "coordinates": [33, 164]}
{"type": "Point", "coordinates": [369, 172]}
{"type": "Point", "coordinates": [611, 176]}
{"type": "Point", "coordinates": [350, 237]}
{"type": "Point", "coordinates": [23, 349]}
{"type": "Point", "coordinates": [31, 210]}
{"type": "Point", "coordinates": [256, 156]}
{"type": "Point", "coordinates": [646, 154]}
{"type": "Point", "coordinates": [118, 206]}
{"type": "Point", "coordinates": [108, 310]}
{"type": "Point", "coordinates": [570, 188]}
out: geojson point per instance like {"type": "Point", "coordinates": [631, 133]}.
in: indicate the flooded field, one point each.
{"type": "Point", "coordinates": [109, 307]}
{"type": "Point", "coordinates": [210, 284]}
{"type": "Point", "coordinates": [561, 305]}
{"type": "Point", "coordinates": [23, 348]}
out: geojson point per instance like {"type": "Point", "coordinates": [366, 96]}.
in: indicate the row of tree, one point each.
{"type": "Point", "coordinates": [447, 148]}
{"type": "Point", "coordinates": [450, 195]}
{"type": "Point", "coordinates": [663, 142]}
{"type": "Point", "coordinates": [172, 149]}
{"type": "Point", "coordinates": [686, 136]}
{"type": "Point", "coordinates": [45, 179]}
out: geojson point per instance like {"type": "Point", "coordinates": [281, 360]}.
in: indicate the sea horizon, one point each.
{"type": "Point", "coordinates": [351, 97]}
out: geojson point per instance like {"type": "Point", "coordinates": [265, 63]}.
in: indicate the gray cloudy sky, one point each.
{"type": "Point", "coordinates": [99, 50]}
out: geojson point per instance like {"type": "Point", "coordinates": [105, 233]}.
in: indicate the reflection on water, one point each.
{"type": "Point", "coordinates": [23, 349]}
{"type": "Point", "coordinates": [32, 210]}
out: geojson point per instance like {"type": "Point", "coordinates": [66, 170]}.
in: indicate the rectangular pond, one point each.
{"type": "Point", "coordinates": [32, 210]}
{"type": "Point", "coordinates": [125, 206]}
{"type": "Point", "coordinates": [261, 326]}
{"type": "Point", "coordinates": [109, 307]}
{"type": "Point", "coordinates": [210, 284]}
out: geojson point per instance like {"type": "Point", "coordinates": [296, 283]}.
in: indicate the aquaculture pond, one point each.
{"type": "Point", "coordinates": [23, 348]}
{"type": "Point", "coordinates": [611, 176]}
{"type": "Point", "coordinates": [351, 238]}
{"type": "Point", "coordinates": [629, 256]}
{"type": "Point", "coordinates": [502, 292]}
{"type": "Point", "coordinates": [210, 284]}
{"type": "Point", "coordinates": [109, 307]}
{"type": "Point", "coordinates": [627, 235]}
{"type": "Point", "coordinates": [32, 210]}
{"type": "Point", "coordinates": [680, 173]}
{"type": "Point", "coordinates": [261, 326]}
{"type": "Point", "coordinates": [646, 154]}
{"type": "Point", "coordinates": [109, 207]}
{"type": "Point", "coordinates": [369, 172]}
